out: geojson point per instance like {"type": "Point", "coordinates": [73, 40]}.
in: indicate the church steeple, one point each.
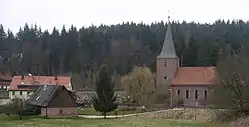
{"type": "Point", "coordinates": [167, 63]}
{"type": "Point", "coordinates": [168, 50]}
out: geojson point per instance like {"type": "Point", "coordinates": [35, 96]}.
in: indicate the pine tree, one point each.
{"type": "Point", "coordinates": [104, 99]}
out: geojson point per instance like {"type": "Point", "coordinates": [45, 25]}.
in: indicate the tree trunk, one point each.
{"type": "Point", "coordinates": [20, 115]}
{"type": "Point", "coordinates": [104, 115]}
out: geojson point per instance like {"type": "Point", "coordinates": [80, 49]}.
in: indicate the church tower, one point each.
{"type": "Point", "coordinates": [167, 62]}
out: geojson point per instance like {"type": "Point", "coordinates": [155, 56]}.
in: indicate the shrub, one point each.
{"type": "Point", "coordinates": [241, 122]}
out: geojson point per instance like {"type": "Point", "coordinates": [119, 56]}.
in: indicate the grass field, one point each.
{"type": "Point", "coordinates": [13, 121]}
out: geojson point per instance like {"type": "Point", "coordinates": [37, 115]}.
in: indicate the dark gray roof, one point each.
{"type": "Point", "coordinates": [168, 50]}
{"type": "Point", "coordinates": [44, 95]}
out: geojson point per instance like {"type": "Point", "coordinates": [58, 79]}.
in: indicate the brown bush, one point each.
{"type": "Point", "coordinates": [241, 122]}
{"type": "Point", "coordinates": [205, 115]}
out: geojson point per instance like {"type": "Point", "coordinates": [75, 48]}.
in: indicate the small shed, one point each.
{"type": "Point", "coordinates": [54, 101]}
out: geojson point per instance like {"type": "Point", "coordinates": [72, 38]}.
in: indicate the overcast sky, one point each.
{"type": "Point", "coordinates": [50, 13]}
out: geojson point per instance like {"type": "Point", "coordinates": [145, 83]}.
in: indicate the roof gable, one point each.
{"type": "Point", "coordinates": [66, 96]}
{"type": "Point", "coordinates": [52, 95]}
{"type": "Point", "coordinates": [195, 76]}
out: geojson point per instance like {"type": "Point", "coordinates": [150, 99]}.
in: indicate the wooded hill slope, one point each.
{"type": "Point", "coordinates": [82, 50]}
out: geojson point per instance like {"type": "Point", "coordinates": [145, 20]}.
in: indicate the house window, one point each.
{"type": "Point", "coordinates": [178, 92]}
{"type": "Point", "coordinates": [205, 94]}
{"type": "Point", "coordinates": [196, 94]}
{"type": "Point", "coordinates": [28, 93]}
{"type": "Point", "coordinates": [1, 87]}
{"type": "Point", "coordinates": [187, 94]}
{"type": "Point", "coordinates": [13, 92]}
{"type": "Point", "coordinates": [165, 63]}
{"type": "Point", "coordinates": [20, 92]}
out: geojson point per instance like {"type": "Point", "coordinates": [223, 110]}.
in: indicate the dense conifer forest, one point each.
{"type": "Point", "coordinates": [79, 52]}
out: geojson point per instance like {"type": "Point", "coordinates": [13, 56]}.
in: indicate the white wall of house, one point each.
{"type": "Point", "coordinates": [20, 94]}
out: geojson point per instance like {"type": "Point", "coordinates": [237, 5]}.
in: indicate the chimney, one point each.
{"type": "Point", "coordinates": [55, 78]}
{"type": "Point", "coordinates": [22, 77]}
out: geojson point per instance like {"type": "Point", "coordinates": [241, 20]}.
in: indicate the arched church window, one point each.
{"type": "Point", "coordinates": [187, 94]}
{"type": "Point", "coordinates": [205, 94]}
{"type": "Point", "coordinates": [165, 63]}
{"type": "Point", "coordinates": [196, 94]}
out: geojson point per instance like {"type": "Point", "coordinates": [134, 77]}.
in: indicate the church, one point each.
{"type": "Point", "coordinates": [188, 86]}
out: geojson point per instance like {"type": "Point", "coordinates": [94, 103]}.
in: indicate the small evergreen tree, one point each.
{"type": "Point", "coordinates": [104, 99]}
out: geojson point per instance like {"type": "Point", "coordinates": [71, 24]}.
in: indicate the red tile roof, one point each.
{"type": "Point", "coordinates": [195, 76]}
{"type": "Point", "coordinates": [40, 80]}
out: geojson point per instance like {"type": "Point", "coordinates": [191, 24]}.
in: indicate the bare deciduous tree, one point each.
{"type": "Point", "coordinates": [234, 81]}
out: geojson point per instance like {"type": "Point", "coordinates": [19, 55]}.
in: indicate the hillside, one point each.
{"type": "Point", "coordinates": [80, 51]}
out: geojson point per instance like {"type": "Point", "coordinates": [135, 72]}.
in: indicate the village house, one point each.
{"type": "Point", "coordinates": [24, 86]}
{"type": "Point", "coordinates": [54, 101]}
{"type": "Point", "coordinates": [5, 80]}
{"type": "Point", "coordinates": [190, 85]}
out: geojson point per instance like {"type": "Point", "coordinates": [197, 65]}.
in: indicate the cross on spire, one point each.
{"type": "Point", "coordinates": [169, 16]}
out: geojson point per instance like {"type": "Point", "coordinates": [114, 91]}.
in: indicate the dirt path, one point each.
{"type": "Point", "coordinates": [117, 116]}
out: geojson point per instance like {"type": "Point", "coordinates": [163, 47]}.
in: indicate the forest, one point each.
{"type": "Point", "coordinates": [79, 52]}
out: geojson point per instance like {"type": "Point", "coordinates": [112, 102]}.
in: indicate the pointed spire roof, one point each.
{"type": "Point", "coordinates": [168, 50]}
